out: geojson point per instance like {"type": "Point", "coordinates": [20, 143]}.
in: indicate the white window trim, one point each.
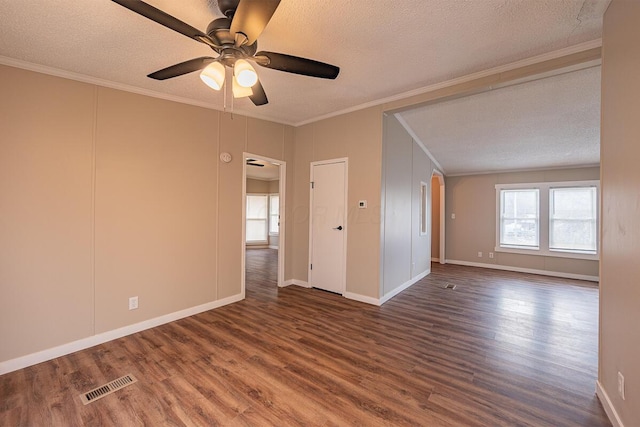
{"type": "Point", "coordinates": [543, 218]}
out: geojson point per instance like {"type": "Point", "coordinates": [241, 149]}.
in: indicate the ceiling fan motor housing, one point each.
{"type": "Point", "coordinates": [233, 38]}
{"type": "Point", "coordinates": [228, 7]}
{"type": "Point", "coordinates": [218, 30]}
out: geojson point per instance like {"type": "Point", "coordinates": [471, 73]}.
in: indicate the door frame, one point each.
{"type": "Point", "coordinates": [345, 160]}
{"type": "Point", "coordinates": [437, 174]}
{"type": "Point", "coordinates": [282, 185]}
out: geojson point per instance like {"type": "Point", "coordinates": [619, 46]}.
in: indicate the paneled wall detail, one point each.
{"type": "Point", "coordinates": [107, 195]}
{"type": "Point", "coordinates": [405, 251]}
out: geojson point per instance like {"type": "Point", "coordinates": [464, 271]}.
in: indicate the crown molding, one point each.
{"type": "Point", "coordinates": [70, 75]}
{"type": "Point", "coordinates": [464, 79]}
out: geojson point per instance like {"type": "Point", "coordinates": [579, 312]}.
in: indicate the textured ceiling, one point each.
{"type": "Point", "coordinates": [269, 172]}
{"type": "Point", "coordinates": [383, 47]}
{"type": "Point", "coordinates": [548, 123]}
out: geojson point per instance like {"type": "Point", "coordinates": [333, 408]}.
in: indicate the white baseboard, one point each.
{"type": "Point", "coordinates": [273, 247]}
{"type": "Point", "coordinates": [435, 259]}
{"type": "Point", "coordinates": [350, 295]}
{"type": "Point", "coordinates": [386, 297]}
{"type": "Point", "coordinates": [608, 406]}
{"type": "Point", "coordinates": [296, 282]}
{"type": "Point", "coordinates": [362, 298]}
{"type": "Point", "coordinates": [525, 270]}
{"type": "Point", "coordinates": [84, 343]}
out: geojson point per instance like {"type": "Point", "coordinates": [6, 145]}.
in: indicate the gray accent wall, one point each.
{"type": "Point", "coordinates": [405, 254]}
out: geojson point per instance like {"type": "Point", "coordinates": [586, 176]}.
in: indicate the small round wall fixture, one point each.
{"type": "Point", "coordinates": [225, 157]}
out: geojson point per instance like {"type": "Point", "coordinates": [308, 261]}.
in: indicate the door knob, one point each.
{"type": "Point", "coordinates": [338, 227]}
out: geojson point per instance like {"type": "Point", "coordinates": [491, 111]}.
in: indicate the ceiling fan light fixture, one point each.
{"type": "Point", "coordinates": [244, 73]}
{"type": "Point", "coordinates": [240, 91]}
{"type": "Point", "coordinates": [213, 75]}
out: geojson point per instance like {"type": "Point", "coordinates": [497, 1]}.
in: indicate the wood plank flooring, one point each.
{"type": "Point", "coordinates": [502, 349]}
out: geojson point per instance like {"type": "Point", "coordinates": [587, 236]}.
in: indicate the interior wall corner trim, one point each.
{"type": "Point", "coordinates": [608, 406]}
{"type": "Point", "coordinates": [386, 297]}
{"type": "Point", "coordinates": [296, 282]}
{"type": "Point", "coordinates": [362, 298]}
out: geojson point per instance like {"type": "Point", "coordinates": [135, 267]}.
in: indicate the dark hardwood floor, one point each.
{"type": "Point", "coordinates": [502, 349]}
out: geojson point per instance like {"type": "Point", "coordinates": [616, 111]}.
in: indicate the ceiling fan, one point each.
{"type": "Point", "coordinates": [252, 162]}
{"type": "Point", "coordinates": [234, 39]}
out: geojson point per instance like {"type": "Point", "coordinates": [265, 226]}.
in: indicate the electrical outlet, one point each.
{"type": "Point", "coordinates": [133, 303]}
{"type": "Point", "coordinates": [453, 216]}
{"type": "Point", "coordinates": [479, 254]}
{"type": "Point", "coordinates": [491, 255]}
{"type": "Point", "coordinates": [621, 385]}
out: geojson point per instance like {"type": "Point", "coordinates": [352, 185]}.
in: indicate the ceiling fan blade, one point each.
{"type": "Point", "coordinates": [252, 16]}
{"type": "Point", "coordinates": [297, 65]}
{"type": "Point", "coordinates": [182, 68]}
{"type": "Point", "coordinates": [165, 19]}
{"type": "Point", "coordinates": [259, 97]}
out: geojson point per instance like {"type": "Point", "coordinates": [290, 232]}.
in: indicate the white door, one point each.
{"type": "Point", "coordinates": [328, 226]}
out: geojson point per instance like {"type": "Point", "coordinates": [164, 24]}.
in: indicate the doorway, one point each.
{"type": "Point", "coordinates": [328, 225]}
{"type": "Point", "coordinates": [263, 218]}
{"type": "Point", "coordinates": [437, 218]}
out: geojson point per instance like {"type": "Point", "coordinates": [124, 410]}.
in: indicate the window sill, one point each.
{"type": "Point", "coordinates": [548, 253]}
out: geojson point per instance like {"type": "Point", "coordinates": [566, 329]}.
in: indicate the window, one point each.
{"type": "Point", "coordinates": [423, 208]}
{"type": "Point", "coordinates": [256, 218]}
{"type": "Point", "coordinates": [274, 214]}
{"type": "Point", "coordinates": [552, 219]}
{"type": "Point", "coordinates": [519, 218]}
{"type": "Point", "coordinates": [572, 219]}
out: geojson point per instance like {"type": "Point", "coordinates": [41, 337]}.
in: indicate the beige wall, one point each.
{"type": "Point", "coordinates": [357, 136]}
{"type": "Point", "coordinates": [263, 187]}
{"type": "Point", "coordinates": [620, 153]}
{"type": "Point", "coordinates": [257, 186]}
{"type": "Point", "coordinates": [473, 200]}
{"type": "Point", "coordinates": [405, 252]}
{"type": "Point", "coordinates": [106, 195]}
{"type": "Point", "coordinates": [435, 218]}
{"type": "Point", "coordinates": [155, 207]}
{"type": "Point", "coordinates": [46, 221]}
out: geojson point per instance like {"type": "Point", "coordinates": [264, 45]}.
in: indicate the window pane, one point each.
{"type": "Point", "coordinates": [423, 208]}
{"type": "Point", "coordinates": [573, 219]}
{"type": "Point", "coordinates": [256, 230]}
{"type": "Point", "coordinates": [257, 206]}
{"type": "Point", "coordinates": [256, 218]}
{"type": "Point", "coordinates": [519, 217]}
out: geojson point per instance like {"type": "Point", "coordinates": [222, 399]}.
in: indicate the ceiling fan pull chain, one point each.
{"type": "Point", "coordinates": [233, 98]}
